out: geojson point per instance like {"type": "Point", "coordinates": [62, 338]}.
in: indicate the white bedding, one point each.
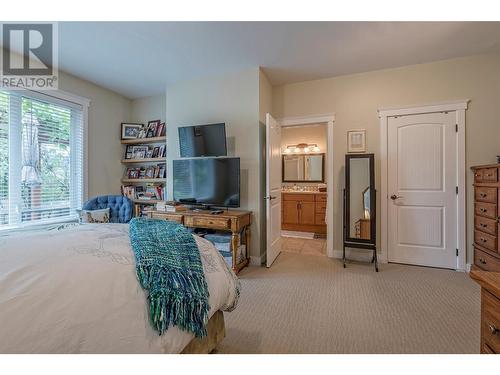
{"type": "Point", "coordinates": [75, 291]}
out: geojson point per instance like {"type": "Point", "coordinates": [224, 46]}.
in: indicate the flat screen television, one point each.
{"type": "Point", "coordinates": [202, 140]}
{"type": "Point", "coordinates": [207, 182]}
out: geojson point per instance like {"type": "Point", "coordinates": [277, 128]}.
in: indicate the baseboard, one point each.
{"type": "Point", "coordinates": [255, 261]}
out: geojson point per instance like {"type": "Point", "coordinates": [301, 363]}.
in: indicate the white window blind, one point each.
{"type": "Point", "coordinates": [41, 159]}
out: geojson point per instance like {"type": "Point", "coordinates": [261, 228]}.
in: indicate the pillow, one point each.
{"type": "Point", "coordinates": [94, 216]}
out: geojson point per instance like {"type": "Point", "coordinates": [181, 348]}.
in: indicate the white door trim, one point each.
{"type": "Point", "coordinates": [459, 108]}
{"type": "Point", "coordinates": [329, 119]}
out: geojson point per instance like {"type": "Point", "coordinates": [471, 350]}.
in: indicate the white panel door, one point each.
{"type": "Point", "coordinates": [422, 180]}
{"type": "Point", "coordinates": [273, 189]}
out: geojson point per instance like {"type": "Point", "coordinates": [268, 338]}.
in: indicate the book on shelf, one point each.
{"type": "Point", "coordinates": [147, 193]}
{"type": "Point", "coordinates": [170, 207]}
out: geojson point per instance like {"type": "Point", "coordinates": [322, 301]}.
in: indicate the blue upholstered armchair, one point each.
{"type": "Point", "coordinates": [120, 208]}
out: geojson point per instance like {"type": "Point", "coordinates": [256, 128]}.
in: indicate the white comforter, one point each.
{"type": "Point", "coordinates": [75, 291]}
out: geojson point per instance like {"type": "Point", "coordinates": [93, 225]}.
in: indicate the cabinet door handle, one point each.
{"type": "Point", "coordinates": [493, 329]}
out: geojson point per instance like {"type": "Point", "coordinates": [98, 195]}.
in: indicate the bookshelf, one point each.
{"type": "Point", "coordinates": [140, 141]}
{"type": "Point", "coordinates": [143, 174]}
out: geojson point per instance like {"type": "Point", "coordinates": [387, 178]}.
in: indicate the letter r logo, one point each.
{"type": "Point", "coordinates": [35, 42]}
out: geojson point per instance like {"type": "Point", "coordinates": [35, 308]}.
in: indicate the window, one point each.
{"type": "Point", "coordinates": [41, 159]}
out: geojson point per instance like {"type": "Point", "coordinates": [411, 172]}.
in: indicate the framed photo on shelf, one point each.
{"type": "Point", "coordinates": [156, 151]}
{"type": "Point", "coordinates": [356, 141]}
{"type": "Point", "coordinates": [160, 129]}
{"type": "Point", "coordinates": [131, 130]}
{"type": "Point", "coordinates": [152, 127]}
{"type": "Point", "coordinates": [128, 152]}
{"type": "Point", "coordinates": [139, 152]}
{"type": "Point", "coordinates": [149, 172]}
{"type": "Point", "coordinates": [161, 152]}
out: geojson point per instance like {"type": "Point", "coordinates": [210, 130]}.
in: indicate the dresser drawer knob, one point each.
{"type": "Point", "coordinates": [483, 225]}
{"type": "Point", "coordinates": [493, 329]}
{"type": "Point", "coordinates": [482, 261]}
{"type": "Point", "coordinates": [483, 210]}
{"type": "Point", "coordinates": [483, 195]}
{"type": "Point", "coordinates": [483, 240]}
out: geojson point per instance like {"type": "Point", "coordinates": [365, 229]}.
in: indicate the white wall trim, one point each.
{"type": "Point", "coordinates": [424, 108]}
{"type": "Point", "coordinates": [459, 108]}
{"type": "Point", "coordinates": [329, 119]}
{"type": "Point", "coordinates": [302, 120]}
{"type": "Point", "coordinates": [256, 261]}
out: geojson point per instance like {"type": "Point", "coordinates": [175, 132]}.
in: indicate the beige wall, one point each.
{"type": "Point", "coordinates": [107, 110]}
{"type": "Point", "coordinates": [148, 109]}
{"type": "Point", "coordinates": [234, 99]}
{"type": "Point", "coordinates": [355, 99]}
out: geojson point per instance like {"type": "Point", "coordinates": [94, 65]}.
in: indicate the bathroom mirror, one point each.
{"type": "Point", "coordinates": [359, 194]}
{"type": "Point", "coordinates": [303, 168]}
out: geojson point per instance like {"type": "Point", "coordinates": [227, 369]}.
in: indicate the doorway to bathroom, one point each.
{"type": "Point", "coordinates": [299, 186]}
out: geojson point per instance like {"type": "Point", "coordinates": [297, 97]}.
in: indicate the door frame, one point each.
{"type": "Point", "coordinates": [329, 120]}
{"type": "Point", "coordinates": [459, 107]}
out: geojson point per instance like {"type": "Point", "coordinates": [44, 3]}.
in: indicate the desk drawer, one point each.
{"type": "Point", "coordinates": [165, 216]}
{"type": "Point", "coordinates": [207, 222]}
{"type": "Point", "coordinates": [298, 197]}
{"type": "Point", "coordinates": [485, 240]}
{"type": "Point", "coordinates": [486, 194]}
{"type": "Point", "coordinates": [490, 320]}
{"type": "Point", "coordinates": [486, 225]}
{"type": "Point", "coordinates": [486, 261]}
{"type": "Point", "coordinates": [486, 210]}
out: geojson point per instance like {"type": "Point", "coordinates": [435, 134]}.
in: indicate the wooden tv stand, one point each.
{"type": "Point", "coordinates": [234, 221]}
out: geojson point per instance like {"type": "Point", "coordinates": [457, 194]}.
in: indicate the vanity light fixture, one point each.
{"type": "Point", "coordinates": [301, 148]}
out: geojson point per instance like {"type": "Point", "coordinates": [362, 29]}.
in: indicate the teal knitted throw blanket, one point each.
{"type": "Point", "coordinates": [168, 266]}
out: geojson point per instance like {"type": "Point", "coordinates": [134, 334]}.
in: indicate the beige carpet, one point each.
{"type": "Point", "coordinates": [309, 304]}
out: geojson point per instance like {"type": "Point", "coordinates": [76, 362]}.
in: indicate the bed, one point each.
{"type": "Point", "coordinates": [74, 290]}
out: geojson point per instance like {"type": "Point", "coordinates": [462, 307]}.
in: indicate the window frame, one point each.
{"type": "Point", "coordinates": [59, 97]}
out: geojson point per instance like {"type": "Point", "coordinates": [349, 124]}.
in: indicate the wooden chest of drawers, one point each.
{"type": "Point", "coordinates": [490, 309]}
{"type": "Point", "coordinates": [486, 217]}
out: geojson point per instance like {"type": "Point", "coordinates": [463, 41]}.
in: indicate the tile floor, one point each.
{"type": "Point", "coordinates": [304, 246]}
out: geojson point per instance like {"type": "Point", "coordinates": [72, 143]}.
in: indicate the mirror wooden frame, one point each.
{"type": "Point", "coordinates": [305, 181]}
{"type": "Point", "coordinates": [353, 242]}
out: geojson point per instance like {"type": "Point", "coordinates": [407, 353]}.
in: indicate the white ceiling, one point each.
{"type": "Point", "coordinates": [139, 59]}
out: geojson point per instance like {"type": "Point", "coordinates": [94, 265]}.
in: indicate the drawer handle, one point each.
{"type": "Point", "coordinates": [493, 329]}
{"type": "Point", "coordinates": [483, 240]}
{"type": "Point", "coordinates": [483, 195]}
{"type": "Point", "coordinates": [483, 210]}
{"type": "Point", "coordinates": [483, 225]}
{"type": "Point", "coordinates": [482, 261]}
{"type": "Point", "coordinates": [477, 175]}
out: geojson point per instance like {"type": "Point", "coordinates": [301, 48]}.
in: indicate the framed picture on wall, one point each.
{"type": "Point", "coordinates": [356, 140]}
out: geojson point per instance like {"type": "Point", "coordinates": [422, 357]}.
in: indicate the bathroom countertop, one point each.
{"type": "Point", "coordinates": [302, 192]}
